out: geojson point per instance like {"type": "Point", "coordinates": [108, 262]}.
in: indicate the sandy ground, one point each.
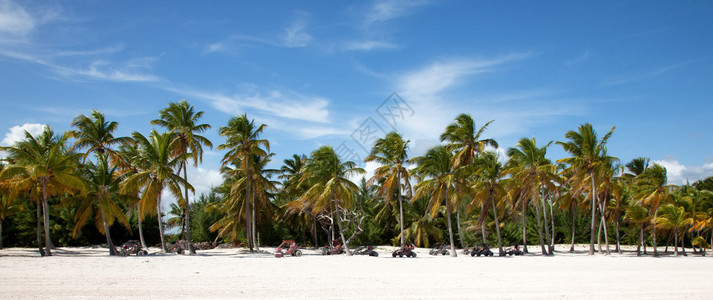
{"type": "Point", "coordinates": [232, 273]}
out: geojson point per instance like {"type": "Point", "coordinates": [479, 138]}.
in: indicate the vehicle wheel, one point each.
{"type": "Point", "coordinates": [444, 252]}
{"type": "Point", "coordinates": [298, 253]}
{"type": "Point", "coordinates": [413, 254]}
{"type": "Point", "coordinates": [478, 254]}
{"type": "Point", "coordinates": [373, 253]}
{"type": "Point", "coordinates": [324, 252]}
{"type": "Point", "coordinates": [408, 254]}
{"type": "Point", "coordinates": [145, 252]}
{"type": "Point", "coordinates": [393, 254]}
{"type": "Point", "coordinates": [401, 254]}
{"type": "Point", "coordinates": [140, 253]}
{"type": "Point", "coordinates": [472, 254]}
{"type": "Point", "coordinates": [180, 251]}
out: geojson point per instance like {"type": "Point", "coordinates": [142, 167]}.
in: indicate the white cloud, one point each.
{"type": "Point", "coordinates": [678, 173]}
{"type": "Point", "coordinates": [295, 34]}
{"type": "Point", "coordinates": [17, 133]}
{"type": "Point", "coordinates": [203, 180]}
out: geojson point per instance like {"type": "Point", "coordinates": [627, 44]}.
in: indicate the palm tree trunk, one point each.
{"type": "Point", "coordinates": [539, 229]}
{"type": "Point", "coordinates": [187, 211]}
{"type": "Point", "coordinates": [38, 212]}
{"type": "Point", "coordinates": [599, 237]}
{"type": "Point", "coordinates": [160, 223]}
{"type": "Point", "coordinates": [551, 247]}
{"type": "Point", "coordinates": [341, 230]}
{"type": "Point", "coordinates": [524, 228]}
{"type": "Point", "coordinates": [573, 210]}
{"type": "Point", "coordinates": [604, 223]}
{"type": "Point", "coordinates": [46, 213]}
{"type": "Point", "coordinates": [401, 210]}
{"type": "Point", "coordinates": [656, 212]}
{"type": "Point", "coordinates": [248, 230]}
{"type": "Point", "coordinates": [497, 229]}
{"type": "Point", "coordinates": [314, 230]}
{"type": "Point", "coordinates": [450, 228]}
{"type": "Point", "coordinates": [460, 234]}
{"type": "Point", "coordinates": [675, 243]}
{"type": "Point", "coordinates": [641, 240]}
{"type": "Point", "coordinates": [683, 245]}
{"type": "Point", "coordinates": [1, 234]}
{"type": "Point", "coordinates": [112, 249]}
{"type": "Point", "coordinates": [618, 247]}
{"type": "Point", "coordinates": [482, 225]}
{"type": "Point", "coordinates": [668, 242]}
{"type": "Point", "coordinates": [256, 241]}
{"type": "Point", "coordinates": [139, 216]}
{"type": "Point", "coordinates": [546, 223]}
{"type": "Point", "coordinates": [594, 213]}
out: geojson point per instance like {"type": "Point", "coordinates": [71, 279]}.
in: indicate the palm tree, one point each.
{"type": "Point", "coordinates": [391, 152]}
{"type": "Point", "coordinates": [44, 163]}
{"type": "Point", "coordinates": [489, 191]}
{"type": "Point", "coordinates": [292, 171]}
{"type": "Point", "coordinates": [464, 139]}
{"type": "Point", "coordinates": [7, 209]}
{"type": "Point", "coordinates": [96, 134]}
{"type": "Point", "coordinates": [536, 176]}
{"type": "Point", "coordinates": [436, 167]}
{"type": "Point", "coordinates": [653, 191]}
{"type": "Point", "coordinates": [243, 141]}
{"type": "Point", "coordinates": [181, 119]}
{"type": "Point", "coordinates": [588, 153]}
{"type": "Point", "coordinates": [128, 154]}
{"type": "Point", "coordinates": [100, 200]}
{"type": "Point", "coordinates": [674, 218]}
{"type": "Point", "coordinates": [330, 186]}
{"type": "Point", "coordinates": [157, 164]}
{"type": "Point", "coordinates": [178, 219]}
{"type": "Point", "coordinates": [638, 215]}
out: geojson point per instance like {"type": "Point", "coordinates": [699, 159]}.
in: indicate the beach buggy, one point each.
{"type": "Point", "coordinates": [288, 247]}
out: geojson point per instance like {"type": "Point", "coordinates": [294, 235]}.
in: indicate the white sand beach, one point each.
{"type": "Point", "coordinates": [232, 273]}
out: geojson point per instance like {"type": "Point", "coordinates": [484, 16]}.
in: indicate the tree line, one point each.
{"type": "Point", "coordinates": [87, 186]}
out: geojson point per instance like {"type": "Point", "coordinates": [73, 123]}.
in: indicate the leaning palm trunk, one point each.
{"type": "Point", "coordinates": [594, 213]}
{"type": "Point", "coordinates": [482, 227]}
{"type": "Point", "coordinates": [341, 230]}
{"type": "Point", "coordinates": [139, 216]}
{"type": "Point", "coordinates": [618, 237]}
{"type": "Point", "coordinates": [46, 213]}
{"type": "Point", "coordinates": [112, 250]}
{"type": "Point", "coordinates": [675, 242]}
{"type": "Point", "coordinates": [497, 229]}
{"type": "Point", "coordinates": [401, 210]}
{"type": "Point", "coordinates": [450, 230]}
{"type": "Point", "coordinates": [604, 223]}
{"type": "Point", "coordinates": [187, 211]}
{"type": "Point", "coordinates": [539, 229]}
{"type": "Point", "coordinates": [256, 241]}
{"type": "Point", "coordinates": [160, 224]}
{"type": "Point", "coordinates": [460, 235]}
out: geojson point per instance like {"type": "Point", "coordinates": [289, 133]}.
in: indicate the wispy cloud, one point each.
{"type": "Point", "coordinates": [646, 75]}
{"type": "Point", "coordinates": [295, 35]}
{"type": "Point", "coordinates": [385, 10]}
{"type": "Point", "coordinates": [283, 104]}
{"type": "Point", "coordinates": [15, 22]}
{"type": "Point", "coordinates": [368, 45]}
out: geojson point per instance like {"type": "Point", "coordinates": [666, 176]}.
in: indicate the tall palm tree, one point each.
{"type": "Point", "coordinates": [330, 186]}
{"type": "Point", "coordinates": [97, 135]}
{"type": "Point", "coordinates": [100, 200]}
{"type": "Point", "coordinates": [391, 152]}
{"type": "Point", "coordinates": [653, 191]}
{"type": "Point", "coordinates": [588, 153]}
{"type": "Point", "coordinates": [464, 139]}
{"type": "Point", "coordinates": [157, 164]}
{"type": "Point", "coordinates": [292, 171]}
{"type": "Point", "coordinates": [436, 168]}
{"type": "Point", "coordinates": [243, 141]}
{"type": "Point", "coordinates": [536, 176]}
{"type": "Point", "coordinates": [489, 191]}
{"type": "Point", "coordinates": [638, 215]}
{"type": "Point", "coordinates": [181, 119]}
{"type": "Point", "coordinates": [127, 165]}
{"type": "Point", "coordinates": [43, 163]}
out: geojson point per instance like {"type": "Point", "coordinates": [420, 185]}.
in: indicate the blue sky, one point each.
{"type": "Point", "coordinates": [316, 72]}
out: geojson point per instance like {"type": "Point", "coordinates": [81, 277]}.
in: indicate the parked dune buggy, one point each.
{"type": "Point", "coordinates": [407, 250]}
{"type": "Point", "coordinates": [368, 250]}
{"type": "Point", "coordinates": [438, 248]}
{"type": "Point", "coordinates": [132, 247]}
{"type": "Point", "coordinates": [484, 251]}
{"type": "Point", "coordinates": [288, 247]}
{"type": "Point", "coordinates": [335, 249]}
{"type": "Point", "coordinates": [514, 250]}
